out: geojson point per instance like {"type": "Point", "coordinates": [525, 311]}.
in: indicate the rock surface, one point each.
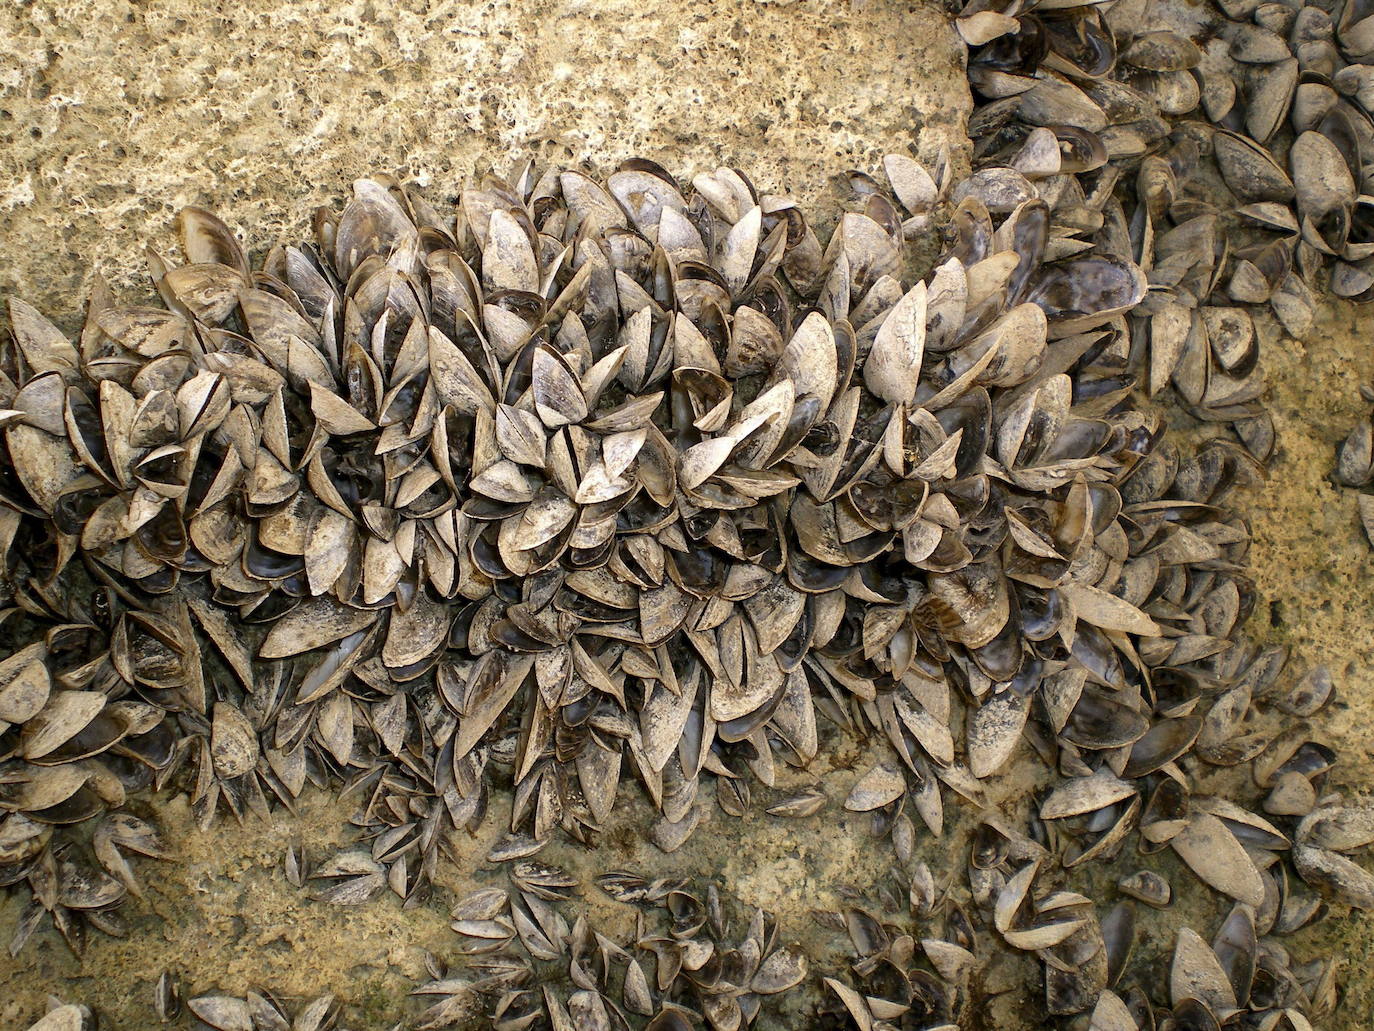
{"type": "Point", "coordinates": [113, 115]}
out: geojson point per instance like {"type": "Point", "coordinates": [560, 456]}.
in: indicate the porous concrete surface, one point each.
{"type": "Point", "coordinates": [1314, 574]}
{"type": "Point", "coordinates": [113, 115]}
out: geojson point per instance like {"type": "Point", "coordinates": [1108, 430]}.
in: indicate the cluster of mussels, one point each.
{"type": "Point", "coordinates": [699, 969]}
{"type": "Point", "coordinates": [1249, 155]}
{"type": "Point", "coordinates": [598, 479]}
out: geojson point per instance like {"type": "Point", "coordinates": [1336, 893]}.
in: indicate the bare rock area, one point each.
{"type": "Point", "coordinates": [113, 115]}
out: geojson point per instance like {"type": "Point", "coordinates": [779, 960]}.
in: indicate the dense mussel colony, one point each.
{"type": "Point", "coordinates": [1246, 164]}
{"type": "Point", "coordinates": [600, 487]}
{"type": "Point", "coordinates": [1275, 106]}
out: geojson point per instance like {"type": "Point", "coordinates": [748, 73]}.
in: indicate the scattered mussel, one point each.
{"type": "Point", "coordinates": [1355, 465]}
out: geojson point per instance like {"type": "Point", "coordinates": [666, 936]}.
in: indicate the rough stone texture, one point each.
{"type": "Point", "coordinates": [1314, 573]}
{"type": "Point", "coordinates": [113, 115]}
{"type": "Point", "coordinates": [1311, 560]}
